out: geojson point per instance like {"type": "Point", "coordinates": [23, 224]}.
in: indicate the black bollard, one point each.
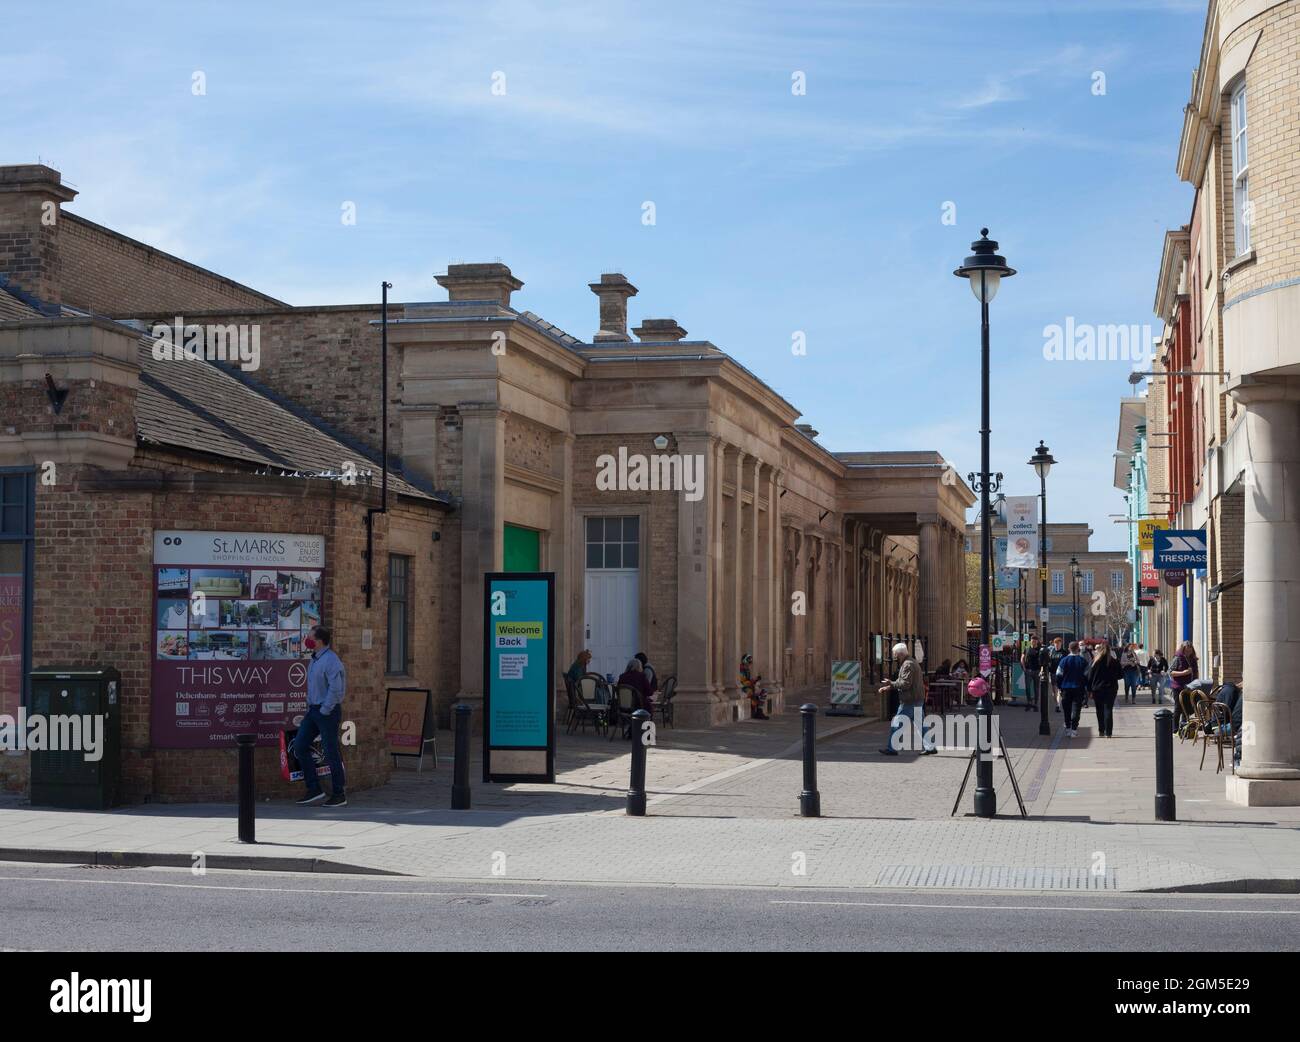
{"type": "Point", "coordinates": [1044, 728]}
{"type": "Point", "coordinates": [810, 800]}
{"type": "Point", "coordinates": [247, 808]}
{"type": "Point", "coordinates": [986, 797]}
{"type": "Point", "coordinates": [460, 768]}
{"type": "Point", "coordinates": [1165, 809]}
{"type": "Point", "coordinates": [636, 787]}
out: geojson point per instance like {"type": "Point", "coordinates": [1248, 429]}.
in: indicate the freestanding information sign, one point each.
{"type": "Point", "coordinates": [518, 676]}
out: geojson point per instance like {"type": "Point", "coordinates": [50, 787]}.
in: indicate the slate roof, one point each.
{"type": "Point", "coordinates": [198, 406]}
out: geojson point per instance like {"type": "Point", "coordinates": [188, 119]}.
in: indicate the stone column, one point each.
{"type": "Point", "coordinates": [1269, 774]}
{"type": "Point", "coordinates": [735, 622]}
{"type": "Point", "coordinates": [481, 533]}
{"type": "Point", "coordinates": [561, 549]}
{"type": "Point", "coordinates": [752, 601]}
{"type": "Point", "coordinates": [778, 602]}
{"type": "Point", "coordinates": [930, 565]}
{"type": "Point", "coordinates": [695, 589]}
{"type": "Point", "coordinates": [717, 605]}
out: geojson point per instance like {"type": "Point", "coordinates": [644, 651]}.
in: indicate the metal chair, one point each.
{"type": "Point", "coordinates": [583, 709]}
{"type": "Point", "coordinates": [664, 703]}
{"type": "Point", "coordinates": [1216, 726]}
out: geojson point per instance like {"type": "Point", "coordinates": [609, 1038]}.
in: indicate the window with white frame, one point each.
{"type": "Point", "coordinates": [1242, 208]}
{"type": "Point", "coordinates": [1117, 580]}
{"type": "Point", "coordinates": [1058, 583]}
{"type": "Point", "coordinates": [1087, 582]}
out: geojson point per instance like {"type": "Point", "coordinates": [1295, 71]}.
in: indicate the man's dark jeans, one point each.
{"type": "Point", "coordinates": [327, 726]}
{"type": "Point", "coordinates": [1071, 705]}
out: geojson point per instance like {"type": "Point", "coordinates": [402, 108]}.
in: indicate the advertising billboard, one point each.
{"type": "Point", "coordinates": [230, 611]}
{"type": "Point", "coordinates": [518, 676]}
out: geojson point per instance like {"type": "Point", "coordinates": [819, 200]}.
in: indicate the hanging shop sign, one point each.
{"type": "Point", "coordinates": [1179, 548]}
{"type": "Point", "coordinates": [1022, 531]}
{"type": "Point", "coordinates": [230, 613]}
{"type": "Point", "coordinates": [518, 676]}
{"type": "Point", "coordinates": [1175, 576]}
{"type": "Point", "coordinates": [1147, 531]}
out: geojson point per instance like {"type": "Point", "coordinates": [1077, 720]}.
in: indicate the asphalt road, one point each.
{"type": "Point", "coordinates": [71, 908]}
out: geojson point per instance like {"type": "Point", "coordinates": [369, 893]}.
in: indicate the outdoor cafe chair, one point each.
{"type": "Point", "coordinates": [587, 704]}
{"type": "Point", "coordinates": [663, 705]}
{"type": "Point", "coordinates": [1216, 726]}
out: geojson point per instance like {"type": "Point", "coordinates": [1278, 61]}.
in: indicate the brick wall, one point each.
{"type": "Point", "coordinates": [325, 360]}
{"type": "Point", "coordinates": [109, 273]}
{"type": "Point", "coordinates": [93, 604]}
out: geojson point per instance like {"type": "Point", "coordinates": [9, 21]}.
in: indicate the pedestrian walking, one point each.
{"type": "Point", "coordinates": [1159, 667]}
{"type": "Point", "coordinates": [1104, 676]}
{"type": "Point", "coordinates": [1071, 678]}
{"type": "Point", "coordinates": [1032, 663]}
{"type": "Point", "coordinates": [1055, 653]}
{"type": "Point", "coordinates": [1144, 664]}
{"type": "Point", "coordinates": [1183, 671]}
{"type": "Point", "coordinates": [326, 688]}
{"type": "Point", "coordinates": [1129, 664]}
{"type": "Point", "coordinates": [910, 685]}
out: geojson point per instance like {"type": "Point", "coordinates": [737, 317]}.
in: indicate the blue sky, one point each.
{"type": "Point", "coordinates": [774, 212]}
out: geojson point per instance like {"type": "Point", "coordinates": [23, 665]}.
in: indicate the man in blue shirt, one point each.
{"type": "Point", "coordinates": [326, 686]}
{"type": "Point", "coordinates": [1071, 677]}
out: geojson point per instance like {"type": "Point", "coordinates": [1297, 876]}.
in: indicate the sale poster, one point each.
{"type": "Point", "coordinates": [231, 611]}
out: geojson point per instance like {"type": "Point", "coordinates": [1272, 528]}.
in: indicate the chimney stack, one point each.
{"type": "Point", "coordinates": [30, 197]}
{"type": "Point", "coordinates": [613, 290]}
{"type": "Point", "coordinates": [492, 282]}
{"type": "Point", "coordinates": [659, 330]}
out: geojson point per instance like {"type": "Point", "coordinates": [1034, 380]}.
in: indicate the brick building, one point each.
{"type": "Point", "coordinates": [1220, 442]}
{"type": "Point", "coordinates": [1074, 574]}
{"type": "Point", "coordinates": [503, 432]}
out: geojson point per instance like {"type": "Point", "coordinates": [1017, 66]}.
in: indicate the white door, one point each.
{"type": "Point", "coordinates": [612, 619]}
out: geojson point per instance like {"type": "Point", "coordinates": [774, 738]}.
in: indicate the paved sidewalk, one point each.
{"type": "Point", "coordinates": [724, 812]}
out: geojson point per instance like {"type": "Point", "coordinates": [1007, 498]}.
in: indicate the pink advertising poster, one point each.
{"type": "Point", "coordinates": [11, 642]}
{"type": "Point", "coordinates": [231, 610]}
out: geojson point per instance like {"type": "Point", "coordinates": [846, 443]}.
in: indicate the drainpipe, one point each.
{"type": "Point", "coordinates": [383, 441]}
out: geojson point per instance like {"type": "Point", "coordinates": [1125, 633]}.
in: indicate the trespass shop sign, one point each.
{"type": "Point", "coordinates": [230, 614]}
{"type": "Point", "coordinates": [518, 667]}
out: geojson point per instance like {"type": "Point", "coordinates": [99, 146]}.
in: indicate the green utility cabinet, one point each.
{"type": "Point", "coordinates": [70, 777]}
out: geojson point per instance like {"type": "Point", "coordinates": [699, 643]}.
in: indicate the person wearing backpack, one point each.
{"type": "Point", "coordinates": [1071, 678]}
{"type": "Point", "coordinates": [1159, 669]}
{"type": "Point", "coordinates": [1104, 676]}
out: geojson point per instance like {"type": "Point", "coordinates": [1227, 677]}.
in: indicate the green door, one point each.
{"type": "Point", "coordinates": [523, 549]}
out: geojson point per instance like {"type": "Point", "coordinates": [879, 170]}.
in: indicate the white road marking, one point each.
{"type": "Point", "coordinates": [1045, 908]}
{"type": "Point", "coordinates": [262, 889]}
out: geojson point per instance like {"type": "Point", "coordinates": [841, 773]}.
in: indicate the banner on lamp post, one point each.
{"type": "Point", "coordinates": [1022, 531]}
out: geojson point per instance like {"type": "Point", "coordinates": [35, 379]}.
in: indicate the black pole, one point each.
{"type": "Point", "coordinates": [810, 800]}
{"type": "Point", "coordinates": [383, 442]}
{"type": "Point", "coordinates": [636, 786]}
{"type": "Point", "coordinates": [986, 800]}
{"type": "Point", "coordinates": [247, 806]}
{"type": "Point", "coordinates": [1044, 718]}
{"type": "Point", "coordinates": [1165, 809]}
{"type": "Point", "coordinates": [460, 769]}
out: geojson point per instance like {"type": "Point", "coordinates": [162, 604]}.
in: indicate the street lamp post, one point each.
{"type": "Point", "coordinates": [1042, 462]}
{"type": "Point", "coordinates": [985, 270]}
{"type": "Point", "coordinates": [1074, 594]}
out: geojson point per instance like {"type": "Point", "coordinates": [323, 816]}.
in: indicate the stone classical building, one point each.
{"type": "Point", "coordinates": [1221, 442]}
{"type": "Point", "coordinates": [681, 504]}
